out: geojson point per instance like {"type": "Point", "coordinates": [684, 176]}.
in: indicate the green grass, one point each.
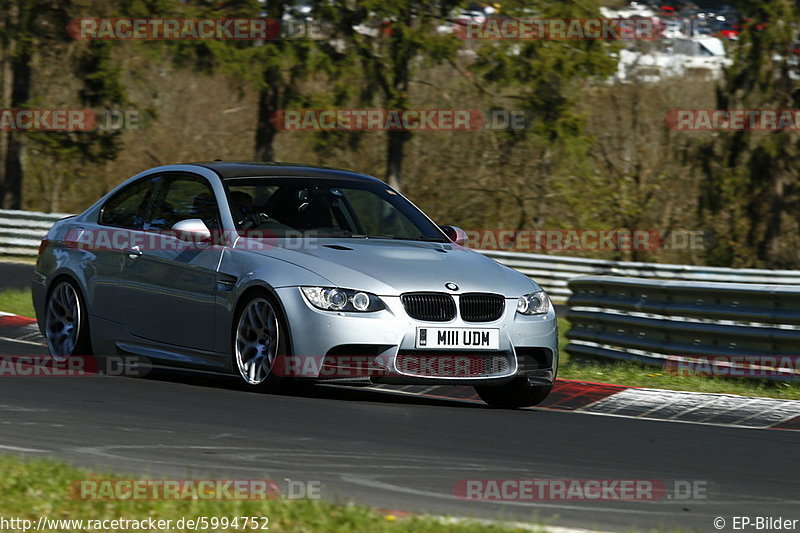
{"type": "Point", "coordinates": [31, 489]}
{"type": "Point", "coordinates": [636, 375]}
{"type": "Point", "coordinates": [17, 301]}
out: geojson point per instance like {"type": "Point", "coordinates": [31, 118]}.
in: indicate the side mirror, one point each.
{"type": "Point", "coordinates": [192, 230]}
{"type": "Point", "coordinates": [455, 234]}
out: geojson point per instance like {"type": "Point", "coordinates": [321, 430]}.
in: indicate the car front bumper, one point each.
{"type": "Point", "coordinates": [381, 346]}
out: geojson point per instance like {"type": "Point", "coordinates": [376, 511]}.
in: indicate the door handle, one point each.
{"type": "Point", "coordinates": [134, 252]}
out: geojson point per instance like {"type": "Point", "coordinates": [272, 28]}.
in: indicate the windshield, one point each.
{"type": "Point", "coordinates": [326, 208]}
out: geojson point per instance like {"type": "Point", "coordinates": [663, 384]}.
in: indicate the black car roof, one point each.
{"type": "Point", "coordinates": [249, 169]}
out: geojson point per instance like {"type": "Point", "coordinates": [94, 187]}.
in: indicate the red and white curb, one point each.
{"type": "Point", "coordinates": [648, 404]}
{"type": "Point", "coordinates": [510, 526]}
{"type": "Point", "coordinates": [698, 407]}
{"type": "Point", "coordinates": [20, 329]}
{"type": "Point", "coordinates": [392, 515]}
{"type": "Point", "coordinates": [579, 396]}
{"type": "Point", "coordinates": [9, 321]}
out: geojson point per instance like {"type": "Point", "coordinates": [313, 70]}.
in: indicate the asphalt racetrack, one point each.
{"type": "Point", "coordinates": [15, 275]}
{"type": "Point", "coordinates": [395, 451]}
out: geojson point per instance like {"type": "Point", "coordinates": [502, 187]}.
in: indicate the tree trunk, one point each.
{"type": "Point", "coordinates": [401, 53]}
{"type": "Point", "coordinates": [270, 97]}
{"type": "Point", "coordinates": [265, 129]}
{"type": "Point", "coordinates": [15, 151]}
{"type": "Point", "coordinates": [396, 141]}
{"type": "Point", "coordinates": [6, 50]}
{"type": "Point", "coordinates": [772, 239]}
{"type": "Point", "coordinates": [20, 80]}
{"type": "Point", "coordinates": [12, 188]}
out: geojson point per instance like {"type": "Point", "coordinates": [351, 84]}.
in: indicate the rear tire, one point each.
{"type": "Point", "coordinates": [518, 393]}
{"type": "Point", "coordinates": [259, 339]}
{"type": "Point", "coordinates": [66, 321]}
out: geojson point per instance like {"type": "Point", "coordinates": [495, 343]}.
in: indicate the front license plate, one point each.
{"type": "Point", "coordinates": [462, 338]}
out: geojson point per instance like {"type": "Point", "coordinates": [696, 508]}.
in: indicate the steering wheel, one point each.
{"type": "Point", "coordinates": [253, 220]}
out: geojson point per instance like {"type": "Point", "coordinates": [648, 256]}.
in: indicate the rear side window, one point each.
{"type": "Point", "coordinates": [128, 208]}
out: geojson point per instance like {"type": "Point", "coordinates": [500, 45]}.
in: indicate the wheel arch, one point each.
{"type": "Point", "coordinates": [260, 288]}
{"type": "Point", "coordinates": [70, 276]}
{"type": "Point", "coordinates": [72, 279]}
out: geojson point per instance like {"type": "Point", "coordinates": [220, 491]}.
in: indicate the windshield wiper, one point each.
{"type": "Point", "coordinates": [397, 238]}
{"type": "Point", "coordinates": [349, 235]}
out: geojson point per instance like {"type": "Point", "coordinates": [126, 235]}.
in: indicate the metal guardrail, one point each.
{"type": "Point", "coordinates": [21, 231]}
{"type": "Point", "coordinates": [652, 321]}
{"type": "Point", "coordinates": [554, 272]}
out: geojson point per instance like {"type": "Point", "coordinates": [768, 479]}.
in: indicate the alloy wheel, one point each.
{"type": "Point", "coordinates": [256, 344]}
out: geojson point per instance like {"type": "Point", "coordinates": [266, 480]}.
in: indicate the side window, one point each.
{"type": "Point", "coordinates": [183, 197]}
{"type": "Point", "coordinates": [128, 208]}
{"type": "Point", "coordinates": [247, 199]}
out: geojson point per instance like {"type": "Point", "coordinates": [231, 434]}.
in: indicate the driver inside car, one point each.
{"type": "Point", "coordinates": [243, 212]}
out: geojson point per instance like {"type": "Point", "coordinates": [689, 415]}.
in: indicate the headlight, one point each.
{"type": "Point", "coordinates": [533, 303]}
{"type": "Point", "coordinates": [336, 299]}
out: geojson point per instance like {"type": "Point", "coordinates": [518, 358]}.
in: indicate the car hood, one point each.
{"type": "Point", "coordinates": [392, 267]}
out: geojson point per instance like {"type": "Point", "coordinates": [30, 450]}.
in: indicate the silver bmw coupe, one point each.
{"type": "Point", "coordinates": [282, 273]}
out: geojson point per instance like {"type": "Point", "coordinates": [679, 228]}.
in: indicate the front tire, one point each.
{"type": "Point", "coordinates": [66, 322]}
{"type": "Point", "coordinates": [259, 338]}
{"type": "Point", "coordinates": [518, 393]}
